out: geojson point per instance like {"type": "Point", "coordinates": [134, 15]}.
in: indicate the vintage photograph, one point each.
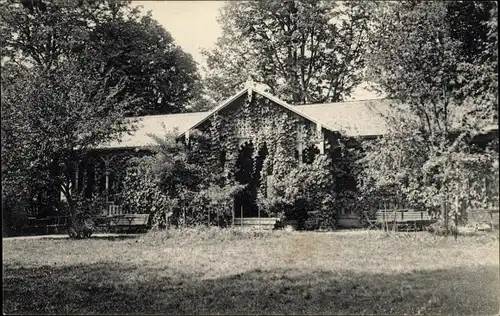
{"type": "Point", "coordinates": [250, 157]}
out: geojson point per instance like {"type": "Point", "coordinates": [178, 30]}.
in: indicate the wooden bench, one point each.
{"type": "Point", "coordinates": [129, 222]}
{"type": "Point", "coordinates": [402, 217]}
{"type": "Point", "coordinates": [255, 222]}
{"type": "Point", "coordinates": [31, 225]}
{"type": "Point", "coordinates": [483, 216]}
{"type": "Point", "coordinates": [57, 223]}
{"type": "Point", "coordinates": [101, 223]}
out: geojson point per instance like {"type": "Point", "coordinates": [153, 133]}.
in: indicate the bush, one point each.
{"type": "Point", "coordinates": [141, 191]}
{"type": "Point", "coordinates": [303, 189]}
{"type": "Point", "coordinates": [82, 228]}
{"type": "Point", "coordinates": [14, 217]}
{"type": "Point", "coordinates": [213, 205]}
{"type": "Point", "coordinates": [438, 228]}
{"type": "Point", "coordinates": [179, 186]}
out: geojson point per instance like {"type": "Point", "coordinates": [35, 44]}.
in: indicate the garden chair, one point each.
{"type": "Point", "coordinates": [370, 221]}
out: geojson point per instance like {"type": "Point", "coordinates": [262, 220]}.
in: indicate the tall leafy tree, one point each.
{"type": "Point", "coordinates": [50, 121]}
{"type": "Point", "coordinates": [420, 56]}
{"type": "Point", "coordinates": [303, 51]}
{"type": "Point", "coordinates": [72, 72]}
{"type": "Point", "coordinates": [107, 35]}
{"type": "Point", "coordinates": [164, 77]}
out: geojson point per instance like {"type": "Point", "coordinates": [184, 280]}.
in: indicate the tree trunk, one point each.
{"type": "Point", "coordinates": [445, 216]}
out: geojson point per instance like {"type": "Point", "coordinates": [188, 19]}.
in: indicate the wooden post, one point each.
{"type": "Point", "coordinates": [184, 213]}
{"type": "Point", "coordinates": [241, 213]}
{"type": "Point", "coordinates": [385, 224]}
{"type": "Point", "coordinates": [233, 214]}
{"type": "Point", "coordinates": [258, 210]}
{"type": "Point", "coordinates": [394, 222]}
{"type": "Point", "coordinates": [208, 217]}
{"type": "Point", "coordinates": [76, 179]}
{"type": "Point", "coordinates": [300, 150]}
{"type": "Point", "coordinates": [457, 205]}
{"type": "Point", "coordinates": [445, 214]}
{"type": "Point", "coordinates": [321, 143]}
{"type": "Point", "coordinates": [106, 161]}
{"type": "Point", "coordinates": [106, 186]}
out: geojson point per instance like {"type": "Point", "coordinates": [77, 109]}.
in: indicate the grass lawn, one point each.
{"type": "Point", "coordinates": [235, 273]}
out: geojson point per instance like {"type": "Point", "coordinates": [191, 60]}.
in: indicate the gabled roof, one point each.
{"type": "Point", "coordinates": [266, 95]}
{"type": "Point", "coordinates": [350, 118]}
{"type": "Point", "coordinates": [353, 118]}
{"type": "Point", "coordinates": [214, 110]}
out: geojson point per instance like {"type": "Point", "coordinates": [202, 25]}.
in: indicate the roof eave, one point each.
{"type": "Point", "coordinates": [214, 110]}
{"type": "Point", "coordinates": [291, 108]}
{"type": "Point", "coordinates": [264, 94]}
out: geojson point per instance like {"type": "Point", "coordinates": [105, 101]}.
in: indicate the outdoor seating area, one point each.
{"type": "Point", "coordinates": [478, 217]}
{"type": "Point", "coordinates": [256, 222]}
{"type": "Point", "coordinates": [46, 225]}
{"type": "Point", "coordinates": [130, 223]}
{"type": "Point", "coordinates": [406, 219]}
{"type": "Point", "coordinates": [111, 218]}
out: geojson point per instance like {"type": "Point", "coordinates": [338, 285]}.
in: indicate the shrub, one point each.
{"type": "Point", "coordinates": [302, 189]}
{"type": "Point", "coordinates": [438, 228]}
{"type": "Point", "coordinates": [83, 227]}
{"type": "Point", "coordinates": [14, 216]}
{"type": "Point", "coordinates": [141, 192]}
{"type": "Point", "coordinates": [178, 186]}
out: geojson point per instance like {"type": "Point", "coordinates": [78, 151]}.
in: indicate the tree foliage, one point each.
{"type": "Point", "coordinates": [72, 72]}
{"type": "Point", "coordinates": [49, 125]}
{"type": "Point", "coordinates": [109, 36]}
{"type": "Point", "coordinates": [303, 51]}
{"type": "Point", "coordinates": [140, 191]}
{"type": "Point", "coordinates": [441, 83]}
{"type": "Point", "coordinates": [419, 56]}
{"type": "Point", "coordinates": [302, 190]}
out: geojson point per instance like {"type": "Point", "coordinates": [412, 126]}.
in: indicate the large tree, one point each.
{"type": "Point", "coordinates": [107, 35]}
{"type": "Point", "coordinates": [444, 89]}
{"type": "Point", "coordinates": [303, 51]}
{"type": "Point", "coordinates": [426, 55]}
{"type": "Point", "coordinates": [164, 77]}
{"type": "Point", "coordinates": [50, 121]}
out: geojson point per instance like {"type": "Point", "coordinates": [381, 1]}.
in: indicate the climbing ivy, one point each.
{"type": "Point", "coordinates": [275, 131]}
{"type": "Point", "coordinates": [195, 178]}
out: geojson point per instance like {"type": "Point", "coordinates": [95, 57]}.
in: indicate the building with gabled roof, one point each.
{"type": "Point", "coordinates": [328, 121]}
{"type": "Point", "coordinates": [353, 118]}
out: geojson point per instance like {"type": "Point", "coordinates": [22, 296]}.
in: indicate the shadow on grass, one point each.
{"type": "Point", "coordinates": [126, 289]}
{"type": "Point", "coordinates": [115, 237]}
{"type": "Point", "coordinates": [65, 236]}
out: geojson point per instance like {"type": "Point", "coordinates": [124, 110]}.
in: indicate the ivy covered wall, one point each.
{"type": "Point", "coordinates": [288, 171]}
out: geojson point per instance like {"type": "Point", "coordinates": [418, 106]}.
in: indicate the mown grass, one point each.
{"type": "Point", "coordinates": [233, 272]}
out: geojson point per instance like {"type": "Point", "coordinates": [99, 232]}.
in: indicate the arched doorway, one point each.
{"type": "Point", "coordinates": [248, 173]}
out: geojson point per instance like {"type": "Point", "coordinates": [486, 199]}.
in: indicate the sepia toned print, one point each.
{"type": "Point", "coordinates": [250, 157]}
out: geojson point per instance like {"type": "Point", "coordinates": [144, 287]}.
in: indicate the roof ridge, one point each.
{"type": "Point", "coordinates": [342, 102]}
{"type": "Point", "coordinates": [165, 115]}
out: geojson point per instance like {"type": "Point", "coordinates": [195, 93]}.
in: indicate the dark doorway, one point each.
{"type": "Point", "coordinates": [248, 173]}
